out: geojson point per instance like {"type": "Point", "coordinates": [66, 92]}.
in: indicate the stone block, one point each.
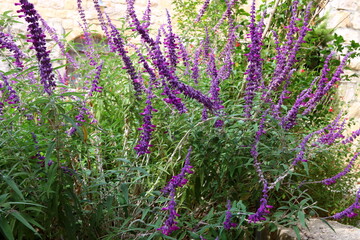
{"type": "Point", "coordinates": [349, 34]}
{"type": "Point", "coordinates": [355, 63]}
{"type": "Point", "coordinates": [339, 19]}
{"type": "Point", "coordinates": [347, 91]}
{"type": "Point", "coordinates": [68, 23]}
{"type": "Point", "coordinates": [350, 5]}
{"type": "Point", "coordinates": [70, 5]}
{"type": "Point", "coordinates": [56, 24]}
{"type": "Point", "coordinates": [355, 20]}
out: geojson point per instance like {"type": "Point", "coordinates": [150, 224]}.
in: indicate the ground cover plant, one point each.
{"type": "Point", "coordinates": [215, 133]}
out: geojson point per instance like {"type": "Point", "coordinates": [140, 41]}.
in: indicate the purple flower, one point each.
{"type": "Point", "coordinates": [171, 45]}
{"type": "Point", "coordinates": [228, 224]}
{"type": "Point", "coordinates": [195, 67]}
{"type": "Point", "coordinates": [254, 70]}
{"type": "Point", "coordinates": [37, 38]}
{"type": "Point", "coordinates": [286, 55]}
{"type": "Point", "coordinates": [202, 10]}
{"type": "Point", "coordinates": [350, 211]}
{"type": "Point", "coordinates": [332, 180]}
{"type": "Point", "coordinates": [104, 25]}
{"type": "Point", "coordinates": [165, 71]}
{"type": "Point", "coordinates": [264, 208]}
{"type": "Point", "coordinates": [227, 14]}
{"type": "Point", "coordinates": [6, 41]}
{"type": "Point", "coordinates": [147, 16]}
{"type": "Point", "coordinates": [11, 96]}
{"type": "Point", "coordinates": [95, 83]}
{"type": "Point", "coordinates": [120, 48]}
{"type": "Point", "coordinates": [333, 131]}
{"type": "Point", "coordinates": [88, 41]}
{"type": "Point", "coordinates": [177, 181]}
{"type": "Point", "coordinates": [170, 224]}
{"type": "Point", "coordinates": [147, 128]}
{"type": "Point", "coordinates": [352, 137]}
{"type": "Point", "coordinates": [55, 37]}
{"type": "Point", "coordinates": [254, 149]}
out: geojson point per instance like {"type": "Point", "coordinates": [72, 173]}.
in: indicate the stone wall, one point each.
{"type": "Point", "coordinates": [344, 16]}
{"type": "Point", "coordinates": [63, 15]}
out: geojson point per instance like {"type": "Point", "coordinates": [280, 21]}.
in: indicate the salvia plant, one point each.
{"type": "Point", "coordinates": [213, 133]}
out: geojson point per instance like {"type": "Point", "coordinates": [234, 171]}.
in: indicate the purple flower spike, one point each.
{"type": "Point", "coordinates": [264, 208]}
{"type": "Point", "coordinates": [147, 128]}
{"type": "Point", "coordinates": [95, 83]}
{"type": "Point", "coordinates": [202, 10]}
{"type": "Point", "coordinates": [254, 70]}
{"type": "Point", "coordinates": [332, 180]}
{"type": "Point", "coordinates": [170, 225]}
{"type": "Point", "coordinates": [55, 37]}
{"type": "Point", "coordinates": [350, 211]}
{"type": "Point", "coordinates": [7, 90]}
{"type": "Point", "coordinates": [6, 41]}
{"type": "Point", "coordinates": [228, 224]}
{"type": "Point", "coordinates": [37, 37]}
{"type": "Point", "coordinates": [177, 181]}
{"type": "Point", "coordinates": [352, 137]}
{"type": "Point", "coordinates": [120, 48]}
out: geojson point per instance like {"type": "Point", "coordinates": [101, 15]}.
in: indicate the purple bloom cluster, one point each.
{"type": "Point", "coordinates": [55, 37]}
{"type": "Point", "coordinates": [95, 83]}
{"type": "Point", "coordinates": [228, 224]}
{"type": "Point", "coordinates": [147, 16]}
{"type": "Point", "coordinates": [120, 48]}
{"type": "Point", "coordinates": [171, 45]}
{"type": "Point", "coordinates": [332, 180]}
{"type": "Point", "coordinates": [350, 211]}
{"type": "Point", "coordinates": [254, 70]}
{"type": "Point", "coordinates": [202, 10]}
{"type": "Point", "coordinates": [286, 54]}
{"type": "Point", "coordinates": [325, 84]}
{"type": "Point", "coordinates": [147, 128]}
{"type": "Point", "coordinates": [170, 225]}
{"type": "Point", "coordinates": [195, 67]}
{"type": "Point", "coordinates": [37, 37]}
{"type": "Point", "coordinates": [352, 137]}
{"type": "Point", "coordinates": [177, 181]}
{"type": "Point", "coordinates": [225, 70]}
{"type": "Point", "coordinates": [164, 69]}
{"type": "Point", "coordinates": [333, 131]}
{"type": "Point", "coordinates": [88, 41]}
{"type": "Point", "coordinates": [264, 208]}
{"type": "Point", "coordinates": [104, 25]}
{"type": "Point", "coordinates": [184, 55]}
{"type": "Point", "coordinates": [6, 90]}
{"type": "Point", "coordinates": [227, 14]}
{"type": "Point", "coordinates": [84, 113]}
{"type": "Point", "coordinates": [6, 41]}
{"type": "Point", "coordinates": [254, 149]}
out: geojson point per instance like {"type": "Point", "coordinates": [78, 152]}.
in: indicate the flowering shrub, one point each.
{"type": "Point", "coordinates": [90, 163]}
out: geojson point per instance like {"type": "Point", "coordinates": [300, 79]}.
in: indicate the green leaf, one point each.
{"type": "Point", "coordinates": [49, 151]}
{"type": "Point", "coordinates": [6, 229]}
{"type": "Point", "coordinates": [125, 191]}
{"type": "Point", "coordinates": [21, 219]}
{"type": "Point", "coordinates": [301, 216]}
{"type": "Point", "coordinates": [297, 232]}
{"type": "Point", "coordinates": [13, 185]}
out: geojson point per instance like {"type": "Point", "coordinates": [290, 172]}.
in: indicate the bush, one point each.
{"type": "Point", "coordinates": [216, 133]}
